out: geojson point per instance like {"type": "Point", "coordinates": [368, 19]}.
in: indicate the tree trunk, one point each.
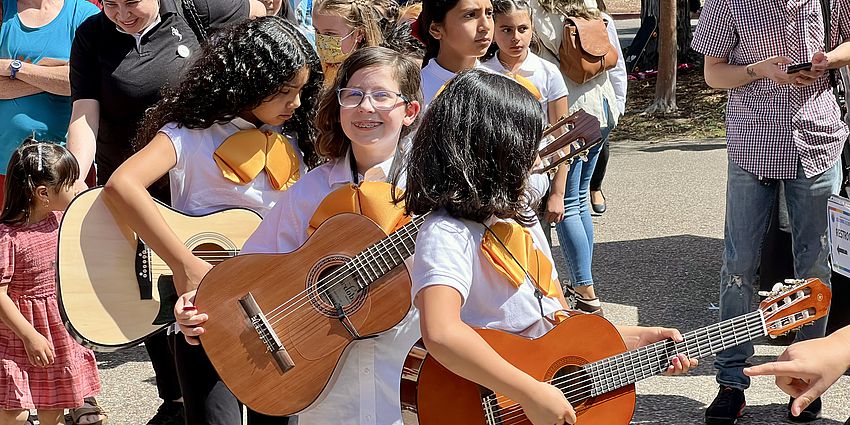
{"type": "Point", "coordinates": [665, 83]}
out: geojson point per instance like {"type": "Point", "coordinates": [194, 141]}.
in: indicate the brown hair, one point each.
{"type": "Point", "coordinates": [332, 142]}
{"type": "Point", "coordinates": [35, 164]}
{"type": "Point", "coordinates": [373, 17]}
{"type": "Point", "coordinates": [571, 8]}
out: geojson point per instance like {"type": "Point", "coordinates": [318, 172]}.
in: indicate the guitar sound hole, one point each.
{"type": "Point", "coordinates": [575, 383]}
{"type": "Point", "coordinates": [211, 253]}
{"type": "Point", "coordinates": [338, 290]}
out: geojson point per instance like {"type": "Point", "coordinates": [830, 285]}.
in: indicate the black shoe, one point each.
{"type": "Point", "coordinates": [726, 408]}
{"type": "Point", "coordinates": [168, 413]}
{"type": "Point", "coordinates": [599, 208]}
{"type": "Point", "coordinates": [810, 413]}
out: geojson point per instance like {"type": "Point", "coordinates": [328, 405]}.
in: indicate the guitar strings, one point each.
{"type": "Point", "coordinates": [615, 377]}
{"type": "Point", "coordinates": [748, 319]}
{"type": "Point", "coordinates": [617, 383]}
{"type": "Point", "coordinates": [306, 314]}
{"type": "Point", "coordinates": [324, 287]}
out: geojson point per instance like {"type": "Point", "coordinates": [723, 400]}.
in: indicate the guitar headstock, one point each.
{"type": "Point", "coordinates": [582, 133]}
{"type": "Point", "coordinates": [794, 303]}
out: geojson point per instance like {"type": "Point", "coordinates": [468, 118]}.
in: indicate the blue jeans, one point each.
{"type": "Point", "coordinates": [749, 203]}
{"type": "Point", "coordinates": [575, 232]}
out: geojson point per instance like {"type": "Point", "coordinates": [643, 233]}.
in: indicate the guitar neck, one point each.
{"type": "Point", "coordinates": [627, 368]}
{"type": "Point", "coordinates": [386, 254]}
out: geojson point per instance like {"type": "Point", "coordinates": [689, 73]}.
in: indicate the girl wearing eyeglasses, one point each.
{"type": "Point", "coordinates": [361, 123]}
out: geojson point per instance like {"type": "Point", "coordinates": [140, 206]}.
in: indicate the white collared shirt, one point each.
{"type": "Point", "coordinates": [365, 388]}
{"type": "Point", "coordinates": [198, 185]}
{"type": "Point", "coordinates": [434, 77]}
{"type": "Point", "coordinates": [545, 76]}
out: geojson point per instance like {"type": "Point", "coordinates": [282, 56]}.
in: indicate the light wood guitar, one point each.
{"type": "Point", "coordinates": [280, 323]}
{"type": "Point", "coordinates": [585, 358]}
{"type": "Point", "coordinates": [114, 291]}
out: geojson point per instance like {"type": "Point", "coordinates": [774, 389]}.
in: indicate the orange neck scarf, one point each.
{"type": "Point", "coordinates": [510, 248]}
{"type": "Point", "coordinates": [370, 199]}
{"type": "Point", "coordinates": [246, 153]}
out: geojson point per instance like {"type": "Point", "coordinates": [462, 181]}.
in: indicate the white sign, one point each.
{"type": "Point", "coordinates": [838, 209]}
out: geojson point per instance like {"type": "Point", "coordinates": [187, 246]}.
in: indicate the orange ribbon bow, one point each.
{"type": "Point", "coordinates": [370, 199]}
{"type": "Point", "coordinates": [516, 254]}
{"type": "Point", "coordinates": [246, 153]}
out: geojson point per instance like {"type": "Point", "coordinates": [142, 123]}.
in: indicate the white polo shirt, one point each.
{"type": "Point", "coordinates": [198, 185]}
{"type": "Point", "coordinates": [545, 76]}
{"type": "Point", "coordinates": [366, 388]}
{"type": "Point", "coordinates": [434, 77]}
{"type": "Point", "coordinates": [448, 252]}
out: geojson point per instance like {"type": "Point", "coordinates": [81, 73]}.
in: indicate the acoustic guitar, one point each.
{"type": "Point", "coordinates": [280, 323]}
{"type": "Point", "coordinates": [114, 291]}
{"type": "Point", "coordinates": [597, 375]}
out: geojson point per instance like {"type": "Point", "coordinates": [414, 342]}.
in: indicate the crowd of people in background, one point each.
{"type": "Point", "coordinates": [149, 97]}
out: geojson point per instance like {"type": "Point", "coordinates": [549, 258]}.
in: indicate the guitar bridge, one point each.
{"type": "Point", "coordinates": [266, 333]}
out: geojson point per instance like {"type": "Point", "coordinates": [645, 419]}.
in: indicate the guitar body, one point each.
{"type": "Point", "coordinates": [308, 328]}
{"type": "Point", "coordinates": [113, 290]}
{"type": "Point", "coordinates": [432, 395]}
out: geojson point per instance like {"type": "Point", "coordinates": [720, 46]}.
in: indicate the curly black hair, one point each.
{"type": "Point", "coordinates": [474, 151]}
{"type": "Point", "coordinates": [239, 68]}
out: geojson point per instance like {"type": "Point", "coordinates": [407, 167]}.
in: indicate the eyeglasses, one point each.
{"type": "Point", "coordinates": [382, 99]}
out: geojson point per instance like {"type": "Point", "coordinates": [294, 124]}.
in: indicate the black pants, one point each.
{"type": "Point", "coordinates": [205, 397]}
{"type": "Point", "coordinates": [161, 351]}
{"type": "Point", "coordinates": [601, 167]}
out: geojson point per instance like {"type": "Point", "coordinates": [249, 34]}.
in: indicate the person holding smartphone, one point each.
{"type": "Point", "coordinates": [783, 129]}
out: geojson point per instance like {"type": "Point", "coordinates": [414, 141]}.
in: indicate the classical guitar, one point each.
{"type": "Point", "coordinates": [597, 376]}
{"type": "Point", "coordinates": [114, 291]}
{"type": "Point", "coordinates": [280, 323]}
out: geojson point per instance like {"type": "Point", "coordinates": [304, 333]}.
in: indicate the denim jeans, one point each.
{"type": "Point", "coordinates": [749, 203]}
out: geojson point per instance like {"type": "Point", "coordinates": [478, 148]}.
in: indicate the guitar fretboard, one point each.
{"type": "Point", "coordinates": [386, 254]}
{"type": "Point", "coordinates": [615, 372]}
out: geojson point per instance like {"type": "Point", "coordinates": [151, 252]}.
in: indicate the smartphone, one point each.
{"type": "Point", "coordinates": [797, 67]}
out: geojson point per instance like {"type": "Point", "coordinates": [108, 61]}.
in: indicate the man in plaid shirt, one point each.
{"type": "Point", "coordinates": [781, 129]}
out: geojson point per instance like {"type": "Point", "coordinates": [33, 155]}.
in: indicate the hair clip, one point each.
{"type": "Point", "coordinates": [38, 146]}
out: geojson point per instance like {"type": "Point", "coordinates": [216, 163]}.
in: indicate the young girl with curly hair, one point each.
{"type": "Point", "coordinates": [343, 26]}
{"type": "Point", "coordinates": [253, 92]}
{"type": "Point", "coordinates": [363, 121]}
{"type": "Point", "coordinates": [471, 181]}
{"type": "Point", "coordinates": [43, 368]}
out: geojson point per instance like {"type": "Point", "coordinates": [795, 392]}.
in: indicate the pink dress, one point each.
{"type": "Point", "coordinates": [28, 266]}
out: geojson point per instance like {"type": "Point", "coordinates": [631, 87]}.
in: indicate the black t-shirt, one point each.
{"type": "Point", "coordinates": [108, 66]}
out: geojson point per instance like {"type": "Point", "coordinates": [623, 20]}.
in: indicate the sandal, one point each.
{"type": "Point", "coordinates": [90, 408]}
{"type": "Point", "coordinates": [587, 305]}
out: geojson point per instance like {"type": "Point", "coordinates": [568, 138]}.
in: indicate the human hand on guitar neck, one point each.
{"type": "Point", "coordinates": [639, 336]}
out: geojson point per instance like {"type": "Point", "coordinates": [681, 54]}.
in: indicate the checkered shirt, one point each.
{"type": "Point", "coordinates": [770, 128]}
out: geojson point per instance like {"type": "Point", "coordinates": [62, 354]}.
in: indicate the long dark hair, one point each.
{"type": "Point", "coordinates": [237, 70]}
{"type": "Point", "coordinates": [474, 150]}
{"type": "Point", "coordinates": [432, 11]}
{"type": "Point", "coordinates": [35, 164]}
{"type": "Point", "coordinates": [332, 142]}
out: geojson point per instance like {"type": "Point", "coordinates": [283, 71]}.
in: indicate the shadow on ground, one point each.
{"type": "Point", "coordinates": [662, 409]}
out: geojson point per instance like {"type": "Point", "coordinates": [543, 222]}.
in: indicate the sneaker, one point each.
{"type": "Point", "coordinates": [726, 408]}
{"type": "Point", "coordinates": [810, 413]}
{"type": "Point", "coordinates": [168, 413]}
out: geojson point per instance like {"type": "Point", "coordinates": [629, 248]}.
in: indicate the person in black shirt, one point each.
{"type": "Point", "coordinates": [120, 60]}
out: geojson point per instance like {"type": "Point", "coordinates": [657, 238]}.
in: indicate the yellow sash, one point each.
{"type": "Point", "coordinates": [246, 153]}
{"type": "Point", "coordinates": [526, 257]}
{"type": "Point", "coordinates": [525, 82]}
{"type": "Point", "coordinates": [371, 199]}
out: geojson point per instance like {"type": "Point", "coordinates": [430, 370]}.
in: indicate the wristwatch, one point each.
{"type": "Point", "coordinates": [14, 67]}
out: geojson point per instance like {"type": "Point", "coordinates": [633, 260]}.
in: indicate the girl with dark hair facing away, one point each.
{"type": "Point", "coordinates": [471, 179]}
{"type": "Point", "coordinates": [456, 33]}
{"type": "Point", "coordinates": [252, 93]}
{"type": "Point", "coordinates": [43, 367]}
{"type": "Point", "coordinates": [362, 120]}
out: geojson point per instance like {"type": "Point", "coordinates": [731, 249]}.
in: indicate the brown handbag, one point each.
{"type": "Point", "coordinates": [585, 49]}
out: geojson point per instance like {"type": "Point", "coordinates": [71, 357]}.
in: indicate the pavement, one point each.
{"type": "Point", "coordinates": [657, 260]}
